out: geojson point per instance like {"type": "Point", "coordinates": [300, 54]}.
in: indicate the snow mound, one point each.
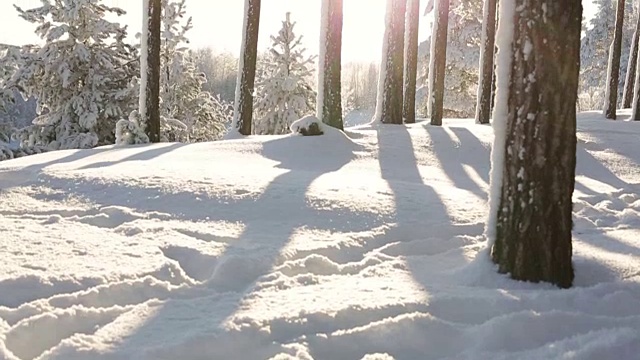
{"type": "Point", "coordinates": [366, 246]}
{"type": "Point", "coordinates": [308, 126]}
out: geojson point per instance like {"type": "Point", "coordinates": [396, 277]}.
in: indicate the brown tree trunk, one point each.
{"type": "Point", "coordinates": [629, 82]}
{"type": "Point", "coordinates": [150, 86]}
{"type": "Point", "coordinates": [438, 61]}
{"type": "Point", "coordinates": [329, 87]}
{"type": "Point", "coordinates": [537, 109]}
{"type": "Point", "coordinates": [485, 80]}
{"type": "Point", "coordinates": [613, 74]}
{"type": "Point", "coordinates": [390, 106]}
{"type": "Point", "coordinates": [243, 112]}
{"type": "Point", "coordinates": [411, 60]}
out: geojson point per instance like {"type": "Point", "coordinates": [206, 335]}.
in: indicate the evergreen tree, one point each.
{"type": "Point", "coordinates": [462, 58]}
{"type": "Point", "coordinates": [438, 61]}
{"type": "Point", "coordinates": [187, 111]}
{"type": "Point", "coordinates": [485, 80]}
{"type": "Point", "coordinates": [81, 76]}
{"type": "Point", "coordinates": [613, 72]}
{"type": "Point", "coordinates": [284, 92]}
{"type": "Point", "coordinates": [243, 105]}
{"type": "Point", "coordinates": [389, 104]}
{"type": "Point", "coordinates": [411, 60]}
{"type": "Point", "coordinates": [534, 151]}
{"type": "Point", "coordinates": [150, 69]}
{"type": "Point", "coordinates": [631, 67]}
{"type": "Point", "coordinates": [329, 102]}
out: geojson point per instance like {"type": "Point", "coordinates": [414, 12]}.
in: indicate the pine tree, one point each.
{"type": "Point", "coordinates": [284, 92]}
{"type": "Point", "coordinates": [243, 106]}
{"type": "Point", "coordinates": [187, 111]}
{"type": "Point", "coordinates": [613, 72]}
{"type": "Point", "coordinates": [329, 102]}
{"type": "Point", "coordinates": [389, 105]}
{"type": "Point", "coordinates": [485, 80]}
{"type": "Point", "coordinates": [81, 76]}
{"type": "Point", "coordinates": [411, 60]}
{"type": "Point", "coordinates": [438, 61]}
{"type": "Point", "coordinates": [534, 152]}
{"type": "Point", "coordinates": [150, 69]}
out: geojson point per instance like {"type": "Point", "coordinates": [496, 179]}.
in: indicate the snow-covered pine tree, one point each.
{"type": "Point", "coordinates": [245, 85]}
{"type": "Point", "coordinates": [81, 76]}
{"type": "Point", "coordinates": [283, 91]}
{"type": "Point", "coordinates": [188, 112]}
{"type": "Point", "coordinates": [463, 56]}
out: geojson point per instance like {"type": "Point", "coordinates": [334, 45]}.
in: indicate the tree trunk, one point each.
{"type": "Point", "coordinates": [613, 74]}
{"type": "Point", "coordinates": [438, 61]}
{"type": "Point", "coordinates": [243, 112]}
{"type": "Point", "coordinates": [485, 79]}
{"type": "Point", "coordinates": [150, 64]}
{"type": "Point", "coordinates": [389, 105]}
{"type": "Point", "coordinates": [629, 83]}
{"type": "Point", "coordinates": [535, 122]}
{"type": "Point", "coordinates": [329, 104]}
{"type": "Point", "coordinates": [411, 60]}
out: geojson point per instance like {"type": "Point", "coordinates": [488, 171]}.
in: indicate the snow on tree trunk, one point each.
{"type": "Point", "coordinates": [243, 108]}
{"type": "Point", "coordinates": [613, 73]}
{"type": "Point", "coordinates": [390, 92]}
{"type": "Point", "coordinates": [411, 60]}
{"type": "Point", "coordinates": [329, 100]}
{"type": "Point", "coordinates": [485, 79]}
{"type": "Point", "coordinates": [536, 114]}
{"type": "Point", "coordinates": [150, 69]}
{"type": "Point", "coordinates": [438, 61]}
{"type": "Point", "coordinates": [631, 68]}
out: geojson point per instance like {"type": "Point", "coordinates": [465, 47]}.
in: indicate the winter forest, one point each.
{"type": "Point", "coordinates": [472, 192]}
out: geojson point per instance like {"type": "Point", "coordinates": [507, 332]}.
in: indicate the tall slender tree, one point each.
{"type": "Point", "coordinates": [329, 104]}
{"type": "Point", "coordinates": [411, 60]}
{"type": "Point", "coordinates": [613, 72]}
{"type": "Point", "coordinates": [150, 69]}
{"type": "Point", "coordinates": [534, 151]}
{"type": "Point", "coordinates": [243, 110]}
{"type": "Point", "coordinates": [485, 79]}
{"type": "Point", "coordinates": [629, 82]}
{"type": "Point", "coordinates": [390, 92]}
{"type": "Point", "coordinates": [438, 61]}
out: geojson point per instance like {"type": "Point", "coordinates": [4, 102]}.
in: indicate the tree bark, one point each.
{"type": "Point", "coordinates": [485, 79]}
{"type": "Point", "coordinates": [243, 112]}
{"type": "Point", "coordinates": [613, 74]}
{"type": "Point", "coordinates": [438, 61]}
{"type": "Point", "coordinates": [629, 83]}
{"type": "Point", "coordinates": [411, 60]}
{"type": "Point", "coordinates": [538, 112]}
{"type": "Point", "coordinates": [330, 65]}
{"type": "Point", "coordinates": [392, 92]}
{"type": "Point", "coordinates": [150, 86]}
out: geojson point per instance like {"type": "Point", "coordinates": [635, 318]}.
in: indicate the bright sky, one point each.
{"type": "Point", "coordinates": [218, 23]}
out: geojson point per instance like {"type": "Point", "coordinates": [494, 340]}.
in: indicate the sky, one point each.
{"type": "Point", "coordinates": [218, 23]}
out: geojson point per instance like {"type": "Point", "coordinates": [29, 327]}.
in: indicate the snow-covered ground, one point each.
{"type": "Point", "coordinates": [287, 247]}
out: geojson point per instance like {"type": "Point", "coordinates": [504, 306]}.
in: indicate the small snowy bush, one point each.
{"type": "Point", "coordinates": [129, 132]}
{"type": "Point", "coordinates": [308, 126]}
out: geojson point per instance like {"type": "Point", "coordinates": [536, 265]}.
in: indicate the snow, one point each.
{"type": "Point", "coordinates": [363, 244]}
{"type": "Point", "coordinates": [504, 41]}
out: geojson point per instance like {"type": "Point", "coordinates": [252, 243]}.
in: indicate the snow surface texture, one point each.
{"type": "Point", "coordinates": [369, 246]}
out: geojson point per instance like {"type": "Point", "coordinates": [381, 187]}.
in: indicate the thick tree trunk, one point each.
{"type": "Point", "coordinates": [329, 104]}
{"type": "Point", "coordinates": [485, 79]}
{"type": "Point", "coordinates": [438, 61]}
{"type": "Point", "coordinates": [613, 73]}
{"type": "Point", "coordinates": [243, 112]}
{"type": "Point", "coordinates": [150, 81]}
{"type": "Point", "coordinates": [629, 82]}
{"type": "Point", "coordinates": [411, 60]}
{"type": "Point", "coordinates": [390, 100]}
{"type": "Point", "coordinates": [537, 113]}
